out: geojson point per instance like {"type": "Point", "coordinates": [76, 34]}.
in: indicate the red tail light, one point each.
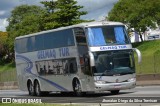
{"type": "Point", "coordinates": [81, 60]}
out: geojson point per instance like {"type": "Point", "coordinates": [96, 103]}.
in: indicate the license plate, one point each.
{"type": "Point", "coordinates": [117, 86]}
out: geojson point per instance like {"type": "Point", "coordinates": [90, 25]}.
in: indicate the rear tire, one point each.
{"type": "Point", "coordinates": [31, 89]}
{"type": "Point", "coordinates": [115, 92]}
{"type": "Point", "coordinates": [37, 89]}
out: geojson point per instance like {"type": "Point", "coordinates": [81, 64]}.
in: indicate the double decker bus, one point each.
{"type": "Point", "coordinates": [88, 57]}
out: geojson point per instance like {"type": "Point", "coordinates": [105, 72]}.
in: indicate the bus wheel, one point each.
{"type": "Point", "coordinates": [30, 88]}
{"type": "Point", "coordinates": [37, 89]}
{"type": "Point", "coordinates": [77, 88]}
{"type": "Point", "coordinates": [114, 92]}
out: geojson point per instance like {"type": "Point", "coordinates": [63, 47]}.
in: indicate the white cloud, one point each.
{"type": "Point", "coordinates": [3, 24]}
{"type": "Point", "coordinates": [2, 12]}
{"type": "Point", "coordinates": [97, 9]}
{"type": "Point", "coordinates": [90, 5]}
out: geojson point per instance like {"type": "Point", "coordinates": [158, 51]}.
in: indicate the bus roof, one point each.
{"type": "Point", "coordinates": [87, 24]}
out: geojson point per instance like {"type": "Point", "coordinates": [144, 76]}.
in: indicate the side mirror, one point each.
{"type": "Point", "coordinates": [138, 54]}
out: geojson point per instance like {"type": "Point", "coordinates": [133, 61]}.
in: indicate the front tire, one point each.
{"type": "Point", "coordinates": [77, 88]}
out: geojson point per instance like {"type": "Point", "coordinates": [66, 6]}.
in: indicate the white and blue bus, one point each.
{"type": "Point", "coordinates": [88, 57]}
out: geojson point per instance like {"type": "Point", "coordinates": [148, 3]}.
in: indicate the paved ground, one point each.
{"type": "Point", "coordinates": [14, 85]}
{"type": "Point", "coordinates": [138, 95]}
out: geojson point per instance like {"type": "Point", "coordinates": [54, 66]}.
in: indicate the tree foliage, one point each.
{"type": "Point", "coordinates": [24, 20]}
{"type": "Point", "coordinates": [4, 51]}
{"type": "Point", "coordinates": [138, 14]}
{"type": "Point", "coordinates": [62, 13]}
{"type": "Point", "coordinates": [27, 19]}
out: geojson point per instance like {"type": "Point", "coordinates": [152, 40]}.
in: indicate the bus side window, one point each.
{"type": "Point", "coordinates": [71, 68]}
{"type": "Point", "coordinates": [30, 44]}
{"type": "Point", "coordinates": [80, 36]}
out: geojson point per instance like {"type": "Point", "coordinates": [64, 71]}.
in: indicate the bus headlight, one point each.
{"type": "Point", "coordinates": [132, 80]}
{"type": "Point", "coordinates": [100, 82]}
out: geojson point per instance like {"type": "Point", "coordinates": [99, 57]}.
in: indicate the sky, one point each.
{"type": "Point", "coordinates": [97, 9]}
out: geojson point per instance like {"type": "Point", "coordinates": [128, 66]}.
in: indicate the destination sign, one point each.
{"type": "Point", "coordinates": [108, 48]}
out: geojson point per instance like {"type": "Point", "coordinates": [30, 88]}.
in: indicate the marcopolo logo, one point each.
{"type": "Point", "coordinates": [6, 100]}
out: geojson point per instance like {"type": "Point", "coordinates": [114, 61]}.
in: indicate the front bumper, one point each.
{"type": "Point", "coordinates": [114, 86]}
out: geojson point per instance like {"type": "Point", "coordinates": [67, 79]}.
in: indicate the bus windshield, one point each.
{"type": "Point", "coordinates": [107, 35]}
{"type": "Point", "coordinates": [109, 63]}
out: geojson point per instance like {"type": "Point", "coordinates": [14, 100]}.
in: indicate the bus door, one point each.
{"type": "Point", "coordinates": [84, 61]}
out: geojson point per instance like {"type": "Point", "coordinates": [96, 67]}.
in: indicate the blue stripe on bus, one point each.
{"type": "Point", "coordinates": [29, 63]}
{"type": "Point", "coordinates": [54, 84]}
{"type": "Point", "coordinates": [29, 68]}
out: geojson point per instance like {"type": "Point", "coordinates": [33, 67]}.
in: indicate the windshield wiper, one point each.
{"type": "Point", "coordinates": [104, 73]}
{"type": "Point", "coordinates": [124, 73]}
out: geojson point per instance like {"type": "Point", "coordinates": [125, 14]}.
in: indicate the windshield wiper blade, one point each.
{"type": "Point", "coordinates": [124, 73]}
{"type": "Point", "coordinates": [104, 73]}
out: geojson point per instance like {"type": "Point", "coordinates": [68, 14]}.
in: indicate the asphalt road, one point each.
{"type": "Point", "coordinates": [139, 96]}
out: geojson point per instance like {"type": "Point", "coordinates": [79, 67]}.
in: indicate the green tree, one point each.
{"type": "Point", "coordinates": [27, 19]}
{"type": "Point", "coordinates": [50, 6]}
{"type": "Point", "coordinates": [24, 20]}
{"type": "Point", "coordinates": [137, 14]}
{"type": "Point", "coordinates": [4, 51]}
{"type": "Point", "coordinates": [62, 13]}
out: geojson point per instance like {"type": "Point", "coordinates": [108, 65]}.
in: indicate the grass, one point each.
{"type": "Point", "coordinates": [6, 76]}
{"type": "Point", "coordinates": [149, 47]}
{"type": "Point", "coordinates": [8, 72]}
{"type": "Point", "coordinates": [9, 66]}
{"type": "Point", "coordinates": [150, 57]}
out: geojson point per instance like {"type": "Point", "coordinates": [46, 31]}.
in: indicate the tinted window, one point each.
{"type": "Point", "coordinates": [56, 67]}
{"type": "Point", "coordinates": [80, 36]}
{"type": "Point", "coordinates": [39, 42]}
{"type": "Point", "coordinates": [17, 45]}
{"type": "Point", "coordinates": [49, 40]}
{"type": "Point", "coordinates": [58, 39]}
{"type": "Point", "coordinates": [30, 44]}
{"type": "Point", "coordinates": [114, 62]}
{"type": "Point", "coordinates": [21, 45]}
{"type": "Point", "coordinates": [107, 35]}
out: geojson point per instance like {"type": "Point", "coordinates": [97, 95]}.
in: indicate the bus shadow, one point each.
{"type": "Point", "coordinates": [88, 95]}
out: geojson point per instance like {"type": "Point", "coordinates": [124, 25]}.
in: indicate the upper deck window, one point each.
{"type": "Point", "coordinates": [80, 36]}
{"type": "Point", "coordinates": [107, 35]}
{"type": "Point", "coordinates": [50, 40]}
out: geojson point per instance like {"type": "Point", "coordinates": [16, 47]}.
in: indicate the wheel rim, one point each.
{"type": "Point", "coordinates": [77, 87]}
